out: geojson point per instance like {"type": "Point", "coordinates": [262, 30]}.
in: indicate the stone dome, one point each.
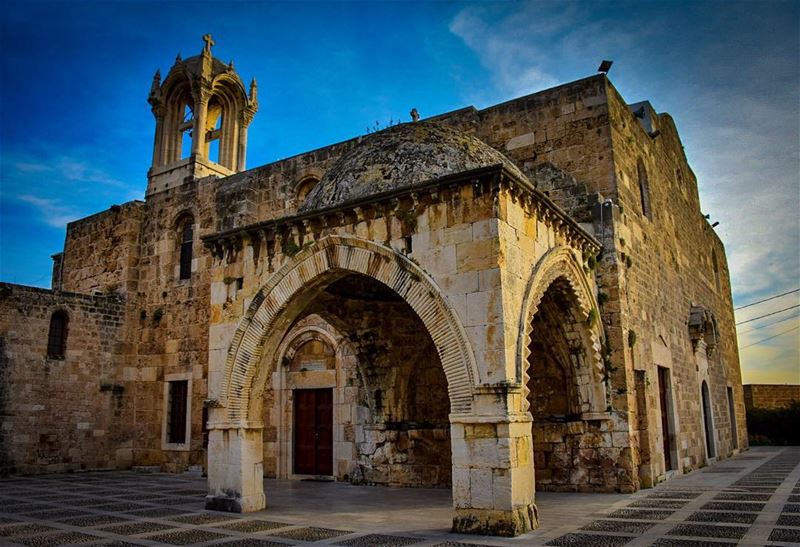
{"type": "Point", "coordinates": [403, 156]}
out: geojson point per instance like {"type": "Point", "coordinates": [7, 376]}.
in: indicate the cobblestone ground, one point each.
{"type": "Point", "coordinates": [752, 499]}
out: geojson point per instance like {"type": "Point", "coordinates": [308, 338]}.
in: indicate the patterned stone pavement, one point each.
{"type": "Point", "coordinates": [752, 499]}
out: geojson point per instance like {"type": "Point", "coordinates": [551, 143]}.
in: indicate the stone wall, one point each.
{"type": "Point", "coordinates": [101, 252]}
{"type": "Point", "coordinates": [65, 414]}
{"type": "Point", "coordinates": [770, 396]}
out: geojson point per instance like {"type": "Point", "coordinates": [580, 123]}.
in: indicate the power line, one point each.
{"type": "Point", "coordinates": [765, 300]}
{"type": "Point", "coordinates": [770, 324]}
{"type": "Point", "coordinates": [768, 314]}
{"type": "Point", "coordinates": [770, 338]}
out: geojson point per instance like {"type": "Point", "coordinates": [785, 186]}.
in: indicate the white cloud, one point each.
{"type": "Point", "coordinates": [53, 212]}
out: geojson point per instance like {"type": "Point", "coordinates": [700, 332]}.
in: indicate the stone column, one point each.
{"type": "Point", "coordinates": [493, 472]}
{"type": "Point", "coordinates": [199, 129]}
{"type": "Point", "coordinates": [235, 469]}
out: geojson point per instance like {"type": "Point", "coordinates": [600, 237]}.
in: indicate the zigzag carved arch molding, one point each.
{"type": "Point", "coordinates": [329, 258]}
{"type": "Point", "coordinates": [558, 262]}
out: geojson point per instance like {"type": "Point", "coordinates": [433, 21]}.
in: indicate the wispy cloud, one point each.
{"type": "Point", "coordinates": [53, 212]}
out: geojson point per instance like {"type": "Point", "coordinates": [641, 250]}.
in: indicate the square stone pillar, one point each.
{"type": "Point", "coordinates": [235, 470]}
{"type": "Point", "coordinates": [493, 470]}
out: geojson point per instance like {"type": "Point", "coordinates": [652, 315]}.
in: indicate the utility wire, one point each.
{"type": "Point", "coordinates": [770, 338]}
{"type": "Point", "coordinates": [768, 314]}
{"type": "Point", "coordinates": [770, 324]}
{"type": "Point", "coordinates": [765, 300]}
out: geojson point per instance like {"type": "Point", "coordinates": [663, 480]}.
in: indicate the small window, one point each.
{"type": "Point", "coordinates": [57, 336]}
{"type": "Point", "coordinates": [187, 235]}
{"type": "Point", "coordinates": [715, 268]}
{"type": "Point", "coordinates": [644, 188]}
{"type": "Point", "coordinates": [176, 418]}
{"type": "Point", "coordinates": [304, 188]}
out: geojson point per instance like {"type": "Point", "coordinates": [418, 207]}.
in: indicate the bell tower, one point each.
{"type": "Point", "coordinates": [202, 113]}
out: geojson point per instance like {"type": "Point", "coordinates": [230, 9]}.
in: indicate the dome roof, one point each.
{"type": "Point", "coordinates": [403, 156]}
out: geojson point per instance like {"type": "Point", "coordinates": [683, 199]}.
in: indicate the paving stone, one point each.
{"type": "Point", "coordinates": [193, 493]}
{"type": "Point", "coordinates": [708, 530]}
{"type": "Point", "coordinates": [791, 508]}
{"type": "Point", "coordinates": [117, 544]}
{"type": "Point", "coordinates": [733, 506]}
{"type": "Point", "coordinates": [187, 537]}
{"type": "Point", "coordinates": [203, 518]}
{"type": "Point", "coordinates": [139, 497]}
{"type": "Point", "coordinates": [25, 508]}
{"type": "Point", "coordinates": [88, 502]}
{"type": "Point", "coordinates": [786, 535]}
{"type": "Point", "coordinates": [64, 538]}
{"type": "Point", "coordinates": [250, 542]}
{"type": "Point", "coordinates": [639, 514]}
{"type": "Point", "coordinates": [311, 533]}
{"type": "Point", "coordinates": [754, 489]}
{"type": "Point", "coordinates": [732, 496]}
{"type": "Point", "coordinates": [794, 498]}
{"type": "Point", "coordinates": [56, 514]}
{"type": "Point", "coordinates": [158, 512]}
{"type": "Point", "coordinates": [140, 527]}
{"type": "Point", "coordinates": [95, 520]}
{"type": "Point", "coordinates": [675, 495]}
{"type": "Point", "coordinates": [724, 469]}
{"type": "Point", "coordinates": [251, 526]}
{"type": "Point", "coordinates": [24, 529]}
{"type": "Point", "coordinates": [120, 507]}
{"type": "Point", "coordinates": [670, 542]}
{"type": "Point", "coordinates": [459, 544]}
{"type": "Point", "coordinates": [378, 540]}
{"type": "Point", "coordinates": [178, 501]}
{"type": "Point", "coordinates": [716, 516]}
{"type": "Point", "coordinates": [618, 526]}
{"type": "Point", "coordinates": [789, 520]}
{"type": "Point", "coordinates": [660, 504]}
{"type": "Point", "coordinates": [595, 540]}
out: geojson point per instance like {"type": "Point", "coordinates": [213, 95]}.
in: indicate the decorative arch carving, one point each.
{"type": "Point", "coordinates": [557, 263]}
{"type": "Point", "coordinates": [309, 270]}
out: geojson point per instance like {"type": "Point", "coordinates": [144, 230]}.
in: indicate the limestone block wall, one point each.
{"type": "Point", "coordinates": [770, 396]}
{"type": "Point", "coordinates": [63, 414]}
{"type": "Point", "coordinates": [101, 252]}
{"type": "Point", "coordinates": [662, 259]}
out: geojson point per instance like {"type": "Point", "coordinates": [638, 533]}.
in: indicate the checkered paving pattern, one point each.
{"type": "Point", "coordinates": [754, 501]}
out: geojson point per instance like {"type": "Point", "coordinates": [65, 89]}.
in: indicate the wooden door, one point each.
{"type": "Point", "coordinates": [663, 395]}
{"type": "Point", "coordinates": [313, 431]}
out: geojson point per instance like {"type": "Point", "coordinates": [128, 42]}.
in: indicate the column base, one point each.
{"type": "Point", "coordinates": [493, 522]}
{"type": "Point", "coordinates": [236, 505]}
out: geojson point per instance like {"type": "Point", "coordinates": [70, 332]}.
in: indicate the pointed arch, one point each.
{"type": "Point", "coordinates": [327, 258]}
{"type": "Point", "coordinates": [558, 263]}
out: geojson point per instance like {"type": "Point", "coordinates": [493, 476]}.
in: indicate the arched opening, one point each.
{"type": "Point", "coordinates": [644, 188]}
{"type": "Point", "coordinates": [185, 130]}
{"type": "Point", "coordinates": [559, 385]}
{"type": "Point", "coordinates": [304, 188]}
{"type": "Point", "coordinates": [715, 268]}
{"type": "Point", "coordinates": [708, 421]}
{"type": "Point", "coordinates": [214, 121]}
{"type": "Point", "coordinates": [186, 242]}
{"type": "Point", "coordinates": [57, 335]}
{"type": "Point", "coordinates": [360, 394]}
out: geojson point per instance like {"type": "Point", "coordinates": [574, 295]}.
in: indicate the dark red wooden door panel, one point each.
{"type": "Point", "coordinates": [313, 431]}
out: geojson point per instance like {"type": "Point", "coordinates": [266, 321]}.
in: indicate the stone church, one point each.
{"type": "Point", "coordinates": [524, 297]}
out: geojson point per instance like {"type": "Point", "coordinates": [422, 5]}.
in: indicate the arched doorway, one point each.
{"type": "Point", "coordinates": [361, 393]}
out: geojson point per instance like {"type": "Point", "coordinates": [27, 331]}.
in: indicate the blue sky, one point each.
{"type": "Point", "coordinates": [76, 131]}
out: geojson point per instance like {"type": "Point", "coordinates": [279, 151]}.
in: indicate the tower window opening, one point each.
{"type": "Point", "coordinates": [186, 132]}
{"type": "Point", "coordinates": [187, 236]}
{"type": "Point", "coordinates": [644, 189]}
{"type": "Point", "coordinates": [214, 133]}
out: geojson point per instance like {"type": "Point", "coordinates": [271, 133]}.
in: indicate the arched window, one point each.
{"type": "Point", "coordinates": [187, 236]}
{"type": "Point", "coordinates": [708, 421]}
{"type": "Point", "coordinates": [715, 267]}
{"type": "Point", "coordinates": [644, 188]}
{"type": "Point", "coordinates": [57, 336]}
{"type": "Point", "coordinates": [304, 188]}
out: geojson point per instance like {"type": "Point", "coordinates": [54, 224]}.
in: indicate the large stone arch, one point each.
{"type": "Point", "coordinates": [559, 262]}
{"type": "Point", "coordinates": [342, 254]}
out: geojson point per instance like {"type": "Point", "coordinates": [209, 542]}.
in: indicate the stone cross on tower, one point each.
{"type": "Point", "coordinates": [209, 42]}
